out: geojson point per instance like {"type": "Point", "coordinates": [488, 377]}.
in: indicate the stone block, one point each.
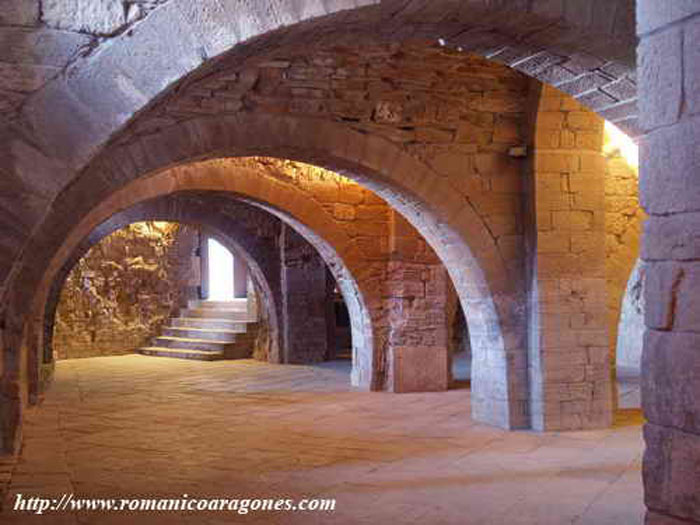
{"type": "Point", "coordinates": [549, 138]}
{"type": "Point", "coordinates": [671, 152]}
{"type": "Point", "coordinates": [691, 65]}
{"type": "Point", "coordinates": [553, 242]}
{"type": "Point", "coordinates": [623, 89]}
{"type": "Point", "coordinates": [589, 140]}
{"type": "Point", "coordinates": [671, 472]}
{"type": "Point", "coordinates": [557, 162]}
{"type": "Point", "coordinates": [453, 164]}
{"type": "Point", "coordinates": [583, 120]}
{"type": "Point", "coordinates": [507, 130]}
{"type": "Point", "coordinates": [420, 369]}
{"type": "Point", "coordinates": [652, 14]}
{"type": "Point", "coordinates": [19, 45]}
{"type": "Point", "coordinates": [584, 83]}
{"type": "Point", "coordinates": [653, 518]}
{"type": "Point", "coordinates": [672, 237]}
{"type": "Point", "coordinates": [573, 220]}
{"type": "Point", "coordinates": [550, 120]}
{"type": "Point", "coordinates": [20, 13]}
{"type": "Point", "coordinates": [661, 293]}
{"type": "Point", "coordinates": [671, 379]}
{"type": "Point", "coordinates": [661, 79]}
{"type": "Point", "coordinates": [344, 212]}
{"type": "Point", "coordinates": [99, 17]}
{"type": "Point", "coordinates": [494, 163]}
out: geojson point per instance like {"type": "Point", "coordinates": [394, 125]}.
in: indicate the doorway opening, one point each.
{"type": "Point", "coordinates": [220, 271]}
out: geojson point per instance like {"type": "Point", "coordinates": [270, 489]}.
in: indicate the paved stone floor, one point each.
{"type": "Point", "coordinates": [138, 426]}
{"type": "Point", "coordinates": [629, 387]}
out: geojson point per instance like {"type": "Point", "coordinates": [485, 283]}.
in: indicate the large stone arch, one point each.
{"type": "Point", "coordinates": [199, 210]}
{"type": "Point", "coordinates": [138, 198]}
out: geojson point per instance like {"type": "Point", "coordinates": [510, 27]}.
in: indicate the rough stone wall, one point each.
{"type": "Point", "coordinates": [458, 113]}
{"type": "Point", "coordinates": [122, 291]}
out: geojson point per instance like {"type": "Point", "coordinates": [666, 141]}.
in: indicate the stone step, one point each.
{"type": "Point", "coordinates": [233, 304]}
{"type": "Point", "coordinates": [199, 355]}
{"type": "Point", "coordinates": [213, 334]}
{"type": "Point", "coordinates": [184, 343]}
{"type": "Point", "coordinates": [209, 323]}
{"type": "Point", "coordinates": [217, 313]}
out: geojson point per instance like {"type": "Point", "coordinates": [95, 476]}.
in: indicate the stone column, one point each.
{"type": "Point", "coordinates": [570, 385]}
{"type": "Point", "coordinates": [203, 254]}
{"type": "Point", "coordinates": [415, 305]}
{"type": "Point", "coordinates": [304, 300]}
{"type": "Point", "coordinates": [669, 103]}
{"type": "Point", "coordinates": [240, 277]}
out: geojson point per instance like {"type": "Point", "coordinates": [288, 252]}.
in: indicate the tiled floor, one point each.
{"type": "Point", "coordinates": [138, 426]}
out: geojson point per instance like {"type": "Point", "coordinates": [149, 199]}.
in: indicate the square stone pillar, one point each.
{"type": "Point", "coordinates": [415, 298]}
{"type": "Point", "coordinates": [240, 277]}
{"type": "Point", "coordinates": [669, 104]}
{"type": "Point", "coordinates": [305, 297]}
{"type": "Point", "coordinates": [570, 386]}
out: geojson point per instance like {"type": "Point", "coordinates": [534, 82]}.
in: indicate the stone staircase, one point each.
{"type": "Point", "coordinates": [207, 331]}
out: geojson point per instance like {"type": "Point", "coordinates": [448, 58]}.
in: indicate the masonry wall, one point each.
{"type": "Point", "coordinates": [457, 113]}
{"type": "Point", "coordinates": [122, 291]}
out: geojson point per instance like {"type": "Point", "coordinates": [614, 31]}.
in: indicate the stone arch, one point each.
{"type": "Point", "coordinates": [337, 255]}
{"type": "Point", "coordinates": [195, 209]}
{"type": "Point", "coordinates": [490, 297]}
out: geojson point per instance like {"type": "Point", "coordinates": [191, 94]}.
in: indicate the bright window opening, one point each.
{"type": "Point", "coordinates": [220, 272]}
{"type": "Point", "coordinates": [616, 141]}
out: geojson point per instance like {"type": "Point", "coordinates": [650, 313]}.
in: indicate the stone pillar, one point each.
{"type": "Point", "coordinates": [415, 304]}
{"type": "Point", "coordinates": [240, 277]}
{"type": "Point", "coordinates": [203, 254]}
{"type": "Point", "coordinates": [304, 300]}
{"type": "Point", "coordinates": [570, 385]}
{"type": "Point", "coordinates": [669, 103]}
